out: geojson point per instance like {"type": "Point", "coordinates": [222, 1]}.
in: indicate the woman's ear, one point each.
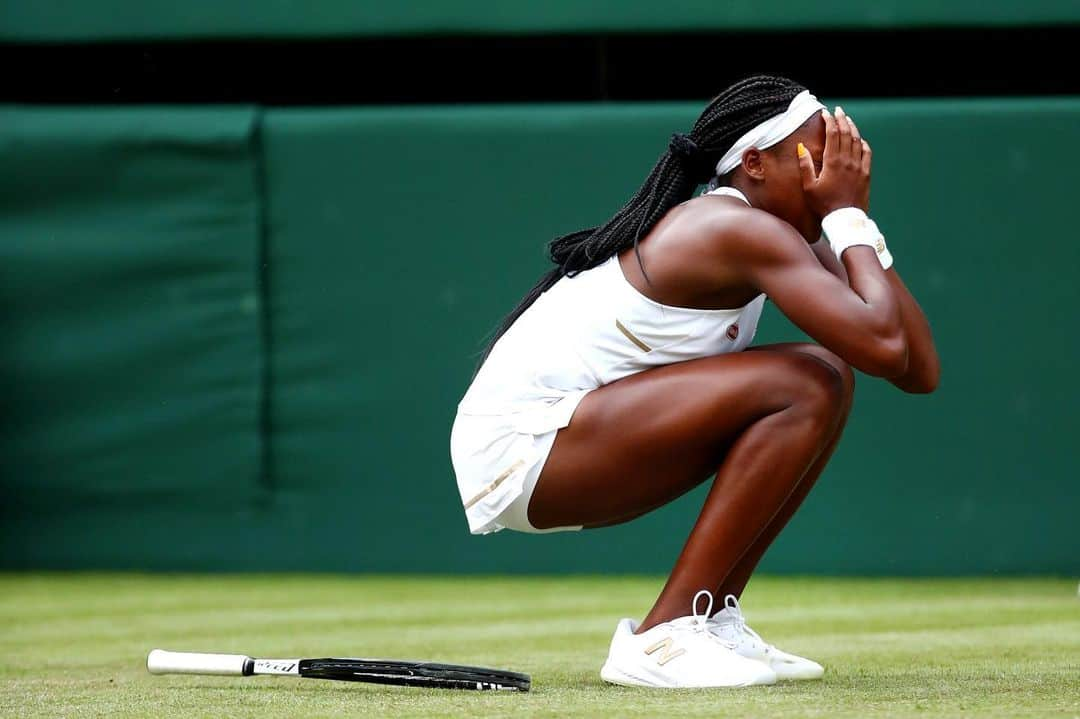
{"type": "Point", "coordinates": [752, 165]}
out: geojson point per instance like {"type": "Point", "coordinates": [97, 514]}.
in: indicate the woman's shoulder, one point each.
{"type": "Point", "coordinates": [726, 226]}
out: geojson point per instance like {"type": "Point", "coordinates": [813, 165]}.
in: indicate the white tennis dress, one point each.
{"type": "Point", "coordinates": [583, 333]}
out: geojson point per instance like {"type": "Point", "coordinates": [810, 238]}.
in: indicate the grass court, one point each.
{"type": "Point", "coordinates": [74, 645]}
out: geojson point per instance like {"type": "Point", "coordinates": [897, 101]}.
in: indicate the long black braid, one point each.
{"type": "Point", "coordinates": [688, 162]}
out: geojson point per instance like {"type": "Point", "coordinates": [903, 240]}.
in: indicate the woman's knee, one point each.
{"type": "Point", "coordinates": [834, 361]}
{"type": "Point", "coordinates": [819, 387]}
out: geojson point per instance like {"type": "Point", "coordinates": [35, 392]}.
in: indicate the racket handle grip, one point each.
{"type": "Point", "coordinates": [163, 662]}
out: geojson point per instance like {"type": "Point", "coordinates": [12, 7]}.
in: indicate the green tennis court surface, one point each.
{"type": "Point", "coordinates": [74, 645]}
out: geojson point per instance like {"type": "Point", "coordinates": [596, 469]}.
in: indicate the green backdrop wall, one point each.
{"type": "Point", "coordinates": [107, 20]}
{"type": "Point", "coordinates": [234, 338]}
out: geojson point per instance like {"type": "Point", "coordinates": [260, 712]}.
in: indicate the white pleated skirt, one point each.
{"type": "Point", "coordinates": [498, 459]}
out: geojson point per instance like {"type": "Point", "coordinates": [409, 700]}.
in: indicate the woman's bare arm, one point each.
{"type": "Point", "coordinates": [924, 367]}
{"type": "Point", "coordinates": [860, 322]}
{"type": "Point", "coordinates": [828, 260]}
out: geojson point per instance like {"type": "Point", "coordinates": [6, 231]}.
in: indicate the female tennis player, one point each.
{"type": "Point", "coordinates": [620, 381]}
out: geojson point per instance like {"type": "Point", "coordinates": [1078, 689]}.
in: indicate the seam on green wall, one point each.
{"type": "Point", "coordinates": [265, 473]}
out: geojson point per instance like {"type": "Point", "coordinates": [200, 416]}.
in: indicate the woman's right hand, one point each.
{"type": "Point", "coordinates": [845, 168]}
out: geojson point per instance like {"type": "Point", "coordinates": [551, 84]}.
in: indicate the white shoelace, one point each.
{"type": "Point", "coordinates": [701, 621]}
{"type": "Point", "coordinates": [731, 604]}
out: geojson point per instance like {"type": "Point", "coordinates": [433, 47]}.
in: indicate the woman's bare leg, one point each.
{"type": "Point", "coordinates": [764, 418]}
{"type": "Point", "coordinates": [736, 581]}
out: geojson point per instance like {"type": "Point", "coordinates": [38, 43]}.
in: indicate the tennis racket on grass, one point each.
{"type": "Point", "coordinates": [375, 671]}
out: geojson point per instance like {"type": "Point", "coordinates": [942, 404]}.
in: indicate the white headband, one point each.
{"type": "Point", "coordinates": [772, 131]}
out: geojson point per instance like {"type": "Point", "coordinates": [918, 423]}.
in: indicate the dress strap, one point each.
{"type": "Point", "coordinates": [729, 192]}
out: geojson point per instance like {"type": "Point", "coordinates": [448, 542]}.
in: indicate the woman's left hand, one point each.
{"type": "Point", "coordinates": [856, 136]}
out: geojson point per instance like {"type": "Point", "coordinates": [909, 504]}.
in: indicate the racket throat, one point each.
{"type": "Point", "coordinates": [280, 667]}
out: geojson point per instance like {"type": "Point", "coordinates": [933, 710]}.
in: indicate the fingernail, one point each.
{"type": "Point", "coordinates": [839, 110]}
{"type": "Point", "coordinates": [825, 113]}
{"type": "Point", "coordinates": [801, 150]}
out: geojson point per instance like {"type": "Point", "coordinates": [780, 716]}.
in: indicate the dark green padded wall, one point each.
{"type": "Point", "coordinates": [129, 325]}
{"type": "Point", "coordinates": [400, 236]}
{"type": "Point", "coordinates": [143, 382]}
{"type": "Point", "coordinates": [974, 199]}
{"type": "Point", "coordinates": [103, 20]}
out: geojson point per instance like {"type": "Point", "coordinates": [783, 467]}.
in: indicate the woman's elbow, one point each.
{"type": "Point", "coordinates": [925, 380]}
{"type": "Point", "coordinates": [889, 357]}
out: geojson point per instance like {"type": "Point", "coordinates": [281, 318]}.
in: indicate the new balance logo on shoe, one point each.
{"type": "Point", "coordinates": [664, 647]}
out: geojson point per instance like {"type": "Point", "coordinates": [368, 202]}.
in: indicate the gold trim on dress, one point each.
{"type": "Point", "coordinates": [630, 336]}
{"type": "Point", "coordinates": [495, 483]}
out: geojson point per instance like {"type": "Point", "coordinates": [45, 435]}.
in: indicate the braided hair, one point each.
{"type": "Point", "coordinates": [689, 161]}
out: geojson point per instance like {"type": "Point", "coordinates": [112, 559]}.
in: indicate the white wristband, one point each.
{"type": "Point", "coordinates": [850, 226]}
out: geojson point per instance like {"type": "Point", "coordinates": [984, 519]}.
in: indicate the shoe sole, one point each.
{"type": "Point", "coordinates": [801, 677]}
{"type": "Point", "coordinates": [612, 675]}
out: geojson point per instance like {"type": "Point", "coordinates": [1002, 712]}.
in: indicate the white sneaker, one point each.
{"type": "Point", "coordinates": [680, 653]}
{"type": "Point", "coordinates": [729, 625]}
